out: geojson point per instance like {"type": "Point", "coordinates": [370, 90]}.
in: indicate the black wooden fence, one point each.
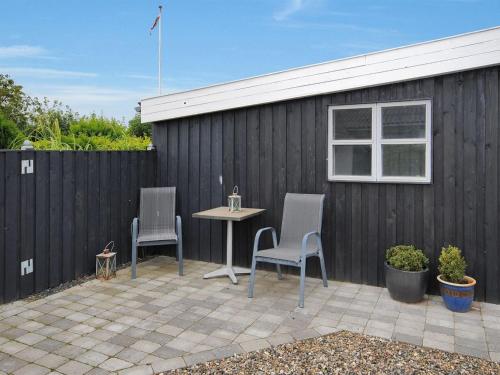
{"type": "Point", "coordinates": [65, 212]}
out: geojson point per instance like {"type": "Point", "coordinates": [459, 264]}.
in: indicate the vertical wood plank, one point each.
{"type": "Point", "coordinates": [293, 147]}
{"type": "Point", "coordinates": [115, 199]}
{"type": "Point", "coordinates": [308, 131]}
{"type": "Point", "coordinates": [266, 169]}
{"type": "Point", "coordinates": [93, 208]}
{"type": "Point", "coordinates": [55, 238]}
{"type": "Point", "coordinates": [12, 230]}
{"type": "Point", "coordinates": [190, 140]}
{"type": "Point", "coordinates": [3, 176]}
{"type": "Point", "coordinates": [438, 165]}
{"type": "Point", "coordinates": [480, 127]}
{"type": "Point", "coordinates": [203, 252]}
{"type": "Point", "coordinates": [491, 223]}
{"type": "Point", "coordinates": [42, 214]}
{"type": "Point", "coordinates": [240, 164]}
{"type": "Point", "coordinates": [27, 224]}
{"type": "Point", "coordinates": [126, 217]}
{"type": "Point", "coordinates": [216, 241]}
{"type": "Point", "coordinates": [449, 167]}
{"type": "Point", "coordinates": [470, 178]}
{"type": "Point", "coordinates": [228, 145]}
{"type": "Point", "coordinates": [81, 196]}
{"type": "Point", "coordinates": [172, 153]}
{"type": "Point", "coordinates": [68, 216]}
{"type": "Point", "coordinates": [279, 158]}
{"type": "Point", "coordinates": [184, 188]}
{"type": "Point", "coordinates": [253, 170]}
{"type": "Point", "coordinates": [356, 225]}
{"type": "Point", "coordinates": [104, 196]}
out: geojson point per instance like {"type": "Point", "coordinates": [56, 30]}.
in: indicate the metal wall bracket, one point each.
{"type": "Point", "coordinates": [26, 267]}
{"type": "Point", "coordinates": [27, 166]}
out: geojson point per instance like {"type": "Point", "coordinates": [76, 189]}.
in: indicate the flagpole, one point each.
{"type": "Point", "coordinates": [159, 51]}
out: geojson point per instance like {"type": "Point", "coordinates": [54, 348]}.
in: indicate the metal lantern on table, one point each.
{"type": "Point", "coordinates": [234, 201]}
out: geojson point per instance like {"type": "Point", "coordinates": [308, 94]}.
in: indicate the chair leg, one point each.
{"type": "Point", "coordinates": [134, 260]}
{"type": "Point", "coordinates": [302, 282]}
{"type": "Point", "coordinates": [134, 249]}
{"type": "Point", "coordinates": [278, 269]}
{"type": "Point", "coordinates": [180, 257]}
{"type": "Point", "coordinates": [323, 269]}
{"type": "Point", "coordinates": [251, 282]}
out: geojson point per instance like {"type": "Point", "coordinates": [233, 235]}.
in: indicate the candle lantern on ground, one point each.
{"type": "Point", "coordinates": [234, 201]}
{"type": "Point", "coordinates": [105, 263]}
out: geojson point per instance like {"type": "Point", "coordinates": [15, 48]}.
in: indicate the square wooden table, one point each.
{"type": "Point", "coordinates": [222, 213]}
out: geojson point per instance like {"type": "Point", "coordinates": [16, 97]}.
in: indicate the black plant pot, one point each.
{"type": "Point", "coordinates": [406, 286]}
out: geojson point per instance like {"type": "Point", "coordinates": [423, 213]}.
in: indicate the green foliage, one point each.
{"type": "Point", "coordinates": [49, 125]}
{"type": "Point", "coordinates": [452, 264]}
{"type": "Point", "coordinates": [137, 129]}
{"type": "Point", "coordinates": [14, 103]}
{"type": "Point", "coordinates": [55, 111]}
{"type": "Point", "coordinates": [406, 258]}
{"type": "Point", "coordinates": [9, 133]}
{"type": "Point", "coordinates": [97, 126]}
{"type": "Point", "coordinates": [124, 143]}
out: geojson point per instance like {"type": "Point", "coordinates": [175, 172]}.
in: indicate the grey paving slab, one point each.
{"type": "Point", "coordinates": [9, 364]}
{"type": "Point", "coordinates": [32, 369]}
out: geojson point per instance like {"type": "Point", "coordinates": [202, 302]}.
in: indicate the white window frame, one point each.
{"type": "Point", "coordinates": [377, 141]}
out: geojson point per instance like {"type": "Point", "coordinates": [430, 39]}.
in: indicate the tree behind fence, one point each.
{"type": "Point", "coordinates": [65, 212]}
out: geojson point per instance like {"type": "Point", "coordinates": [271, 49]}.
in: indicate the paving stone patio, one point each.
{"type": "Point", "coordinates": [161, 321]}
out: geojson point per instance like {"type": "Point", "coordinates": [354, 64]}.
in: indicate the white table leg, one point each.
{"type": "Point", "coordinates": [229, 244]}
{"type": "Point", "coordinates": [228, 269]}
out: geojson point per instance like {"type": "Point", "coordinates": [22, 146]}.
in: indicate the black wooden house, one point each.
{"type": "Point", "coordinates": [403, 142]}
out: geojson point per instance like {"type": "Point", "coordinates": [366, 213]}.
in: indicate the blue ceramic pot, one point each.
{"type": "Point", "coordinates": [457, 297]}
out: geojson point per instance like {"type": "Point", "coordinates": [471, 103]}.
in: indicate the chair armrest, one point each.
{"type": "Point", "coordinates": [134, 227]}
{"type": "Point", "coordinates": [178, 225]}
{"type": "Point", "coordinates": [257, 238]}
{"type": "Point", "coordinates": [305, 239]}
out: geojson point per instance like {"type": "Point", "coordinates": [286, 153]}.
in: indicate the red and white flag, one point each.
{"type": "Point", "coordinates": [155, 23]}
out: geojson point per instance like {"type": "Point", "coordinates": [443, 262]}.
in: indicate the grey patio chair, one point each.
{"type": "Point", "coordinates": [300, 239]}
{"type": "Point", "coordinates": [157, 224]}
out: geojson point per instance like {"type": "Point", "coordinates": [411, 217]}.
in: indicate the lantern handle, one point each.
{"type": "Point", "coordinates": [112, 243]}
{"type": "Point", "coordinates": [235, 190]}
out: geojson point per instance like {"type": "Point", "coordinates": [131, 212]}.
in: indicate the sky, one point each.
{"type": "Point", "coordinates": [98, 55]}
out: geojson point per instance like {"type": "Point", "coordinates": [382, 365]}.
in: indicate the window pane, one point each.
{"type": "Point", "coordinates": [353, 123]}
{"type": "Point", "coordinates": [403, 160]}
{"type": "Point", "coordinates": [353, 160]}
{"type": "Point", "coordinates": [403, 122]}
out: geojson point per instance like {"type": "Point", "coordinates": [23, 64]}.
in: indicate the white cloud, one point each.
{"type": "Point", "coordinates": [20, 51]}
{"type": "Point", "coordinates": [139, 76]}
{"type": "Point", "coordinates": [85, 99]}
{"type": "Point", "coordinates": [292, 7]}
{"type": "Point", "coordinates": [45, 73]}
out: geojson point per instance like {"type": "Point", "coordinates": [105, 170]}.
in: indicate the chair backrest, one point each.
{"type": "Point", "coordinates": [157, 209]}
{"type": "Point", "coordinates": [302, 213]}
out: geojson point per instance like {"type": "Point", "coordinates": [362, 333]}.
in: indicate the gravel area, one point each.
{"type": "Point", "coordinates": [345, 353]}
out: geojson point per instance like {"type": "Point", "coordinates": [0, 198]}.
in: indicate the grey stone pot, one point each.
{"type": "Point", "coordinates": [406, 286]}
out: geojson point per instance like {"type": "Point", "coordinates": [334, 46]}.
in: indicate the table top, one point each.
{"type": "Point", "coordinates": [222, 213]}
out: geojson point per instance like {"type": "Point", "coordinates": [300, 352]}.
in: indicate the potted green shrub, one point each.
{"type": "Point", "coordinates": [406, 273]}
{"type": "Point", "coordinates": [457, 289]}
